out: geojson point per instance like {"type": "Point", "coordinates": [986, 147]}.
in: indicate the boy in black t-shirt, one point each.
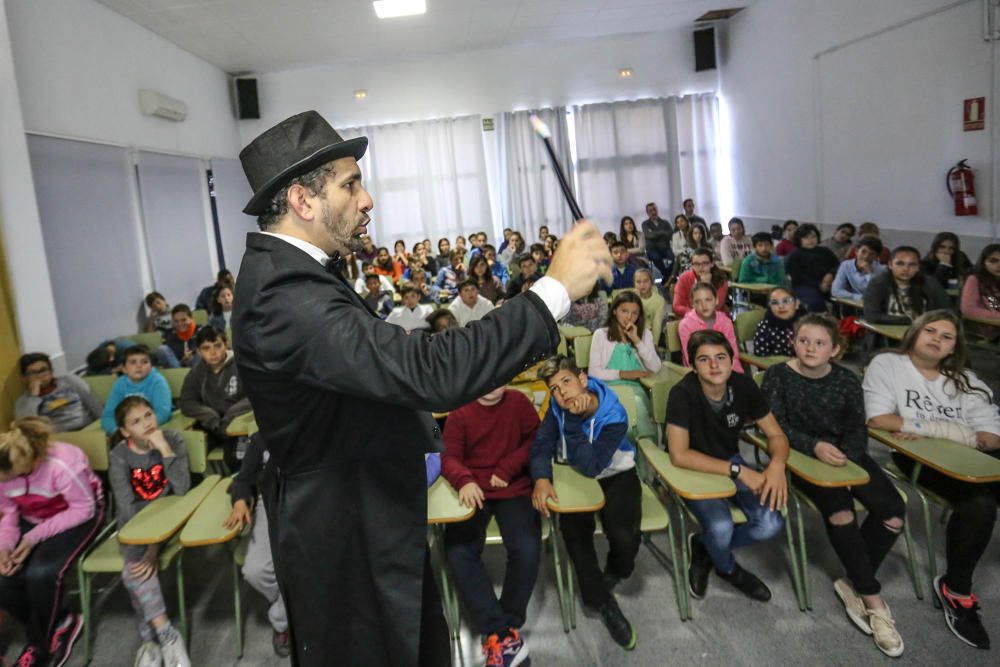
{"type": "Point", "coordinates": [705, 413]}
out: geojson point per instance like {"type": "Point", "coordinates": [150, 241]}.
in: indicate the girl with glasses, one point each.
{"type": "Point", "coordinates": [774, 333]}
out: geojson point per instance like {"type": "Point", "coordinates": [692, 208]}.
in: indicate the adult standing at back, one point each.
{"type": "Point", "coordinates": [658, 233]}
{"type": "Point", "coordinates": [348, 505]}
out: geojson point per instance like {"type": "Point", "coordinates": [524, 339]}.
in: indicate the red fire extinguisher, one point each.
{"type": "Point", "coordinates": [961, 182]}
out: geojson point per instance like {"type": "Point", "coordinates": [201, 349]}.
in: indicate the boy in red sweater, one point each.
{"type": "Point", "coordinates": [487, 446]}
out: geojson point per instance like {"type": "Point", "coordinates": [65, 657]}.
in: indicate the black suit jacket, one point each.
{"type": "Point", "coordinates": [342, 399]}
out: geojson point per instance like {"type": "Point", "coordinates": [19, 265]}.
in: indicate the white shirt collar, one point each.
{"type": "Point", "coordinates": [306, 247]}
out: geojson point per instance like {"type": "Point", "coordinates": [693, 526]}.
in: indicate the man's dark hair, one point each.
{"type": "Point", "coordinates": [873, 243]}
{"type": "Point", "coordinates": [537, 247]}
{"type": "Point", "coordinates": [373, 276]}
{"type": "Point", "coordinates": [136, 350]}
{"type": "Point", "coordinates": [618, 244]}
{"type": "Point", "coordinates": [525, 257]}
{"type": "Point", "coordinates": [685, 202]}
{"type": "Point", "coordinates": [314, 181]}
{"type": "Point", "coordinates": [181, 308]}
{"type": "Point", "coordinates": [468, 282]}
{"type": "Point", "coordinates": [761, 237]}
{"type": "Point", "coordinates": [208, 334]}
{"type": "Point", "coordinates": [153, 296]}
{"type": "Point", "coordinates": [33, 358]}
{"type": "Point", "coordinates": [707, 337]}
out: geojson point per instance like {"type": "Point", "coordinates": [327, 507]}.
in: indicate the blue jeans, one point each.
{"type": "Point", "coordinates": [720, 535]}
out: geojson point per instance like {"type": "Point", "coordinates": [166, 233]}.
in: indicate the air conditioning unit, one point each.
{"type": "Point", "coordinates": [152, 103]}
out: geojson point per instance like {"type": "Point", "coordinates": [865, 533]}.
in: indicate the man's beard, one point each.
{"type": "Point", "coordinates": [346, 241]}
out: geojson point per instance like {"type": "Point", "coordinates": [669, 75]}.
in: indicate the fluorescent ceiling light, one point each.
{"type": "Point", "coordinates": [388, 9]}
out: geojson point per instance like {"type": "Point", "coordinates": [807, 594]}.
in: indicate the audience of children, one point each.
{"type": "Point", "coordinates": [622, 351]}
{"type": "Point", "coordinates": [138, 378]}
{"type": "Point", "coordinates": [854, 275]}
{"type": "Point", "coordinates": [412, 314]}
{"type": "Point", "coordinates": [762, 266]}
{"type": "Point", "coordinates": [902, 293]}
{"type": "Point", "coordinates": [158, 314]}
{"type": "Point", "coordinates": [212, 393]}
{"type": "Point", "coordinates": [258, 564]}
{"type": "Point", "coordinates": [706, 411]}
{"type": "Point", "coordinates": [774, 335]}
{"type": "Point", "coordinates": [586, 427]}
{"type": "Point", "coordinates": [66, 401]}
{"type": "Point", "coordinates": [946, 262]}
{"type": "Point", "coordinates": [654, 306]}
{"type": "Point", "coordinates": [981, 292]}
{"type": "Point", "coordinates": [145, 464]}
{"type": "Point", "coordinates": [811, 268]}
{"type": "Point", "coordinates": [923, 389]}
{"type": "Point", "coordinates": [51, 508]}
{"type": "Point", "coordinates": [841, 240]}
{"type": "Point", "coordinates": [703, 270]}
{"type": "Point", "coordinates": [470, 305]}
{"type": "Point", "coordinates": [787, 243]}
{"type": "Point", "coordinates": [704, 315]}
{"type": "Point", "coordinates": [487, 447]}
{"type": "Point", "coordinates": [820, 408]}
{"type": "Point", "coordinates": [735, 246]}
{"type": "Point", "coordinates": [178, 347]}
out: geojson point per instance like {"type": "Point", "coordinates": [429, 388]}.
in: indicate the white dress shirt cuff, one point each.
{"type": "Point", "coordinates": [553, 295]}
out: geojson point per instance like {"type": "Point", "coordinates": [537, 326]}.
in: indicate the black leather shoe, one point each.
{"type": "Point", "coordinates": [616, 623]}
{"type": "Point", "coordinates": [748, 584]}
{"type": "Point", "coordinates": [701, 565]}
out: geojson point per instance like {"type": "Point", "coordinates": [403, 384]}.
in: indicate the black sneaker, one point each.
{"type": "Point", "coordinates": [747, 583]}
{"type": "Point", "coordinates": [281, 643]}
{"type": "Point", "coordinates": [619, 627]}
{"type": "Point", "coordinates": [701, 566]}
{"type": "Point", "coordinates": [963, 621]}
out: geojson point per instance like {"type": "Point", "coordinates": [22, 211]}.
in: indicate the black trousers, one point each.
{"type": "Point", "coordinates": [520, 528]}
{"type": "Point", "coordinates": [974, 511]}
{"type": "Point", "coordinates": [860, 548]}
{"type": "Point", "coordinates": [621, 517]}
{"type": "Point", "coordinates": [33, 594]}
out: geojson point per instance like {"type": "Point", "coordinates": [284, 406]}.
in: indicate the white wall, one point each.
{"type": "Point", "coordinates": [80, 66]}
{"type": "Point", "coordinates": [22, 231]}
{"type": "Point", "coordinates": [484, 82]}
{"type": "Point", "coordinates": [864, 132]}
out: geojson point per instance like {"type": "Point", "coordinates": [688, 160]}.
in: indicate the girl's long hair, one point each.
{"type": "Point", "coordinates": [614, 331]}
{"type": "Point", "coordinates": [918, 296]}
{"type": "Point", "coordinates": [28, 440]}
{"type": "Point", "coordinates": [989, 284]}
{"type": "Point", "coordinates": [953, 367]}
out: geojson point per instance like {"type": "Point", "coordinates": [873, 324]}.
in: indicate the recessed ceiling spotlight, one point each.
{"type": "Point", "coordinates": [625, 72]}
{"type": "Point", "coordinates": [360, 94]}
{"type": "Point", "coordinates": [388, 9]}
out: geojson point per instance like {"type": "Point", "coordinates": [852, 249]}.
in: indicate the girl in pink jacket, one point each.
{"type": "Point", "coordinates": [52, 505]}
{"type": "Point", "coordinates": [704, 314]}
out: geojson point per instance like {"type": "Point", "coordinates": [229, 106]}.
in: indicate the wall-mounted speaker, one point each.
{"type": "Point", "coordinates": [246, 99]}
{"type": "Point", "coordinates": [704, 49]}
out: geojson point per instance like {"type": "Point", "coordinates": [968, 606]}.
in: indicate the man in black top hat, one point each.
{"type": "Point", "coordinates": [348, 505]}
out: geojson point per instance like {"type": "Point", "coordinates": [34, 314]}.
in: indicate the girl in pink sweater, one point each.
{"type": "Point", "coordinates": [52, 505]}
{"type": "Point", "coordinates": [704, 314]}
{"type": "Point", "coordinates": [981, 292]}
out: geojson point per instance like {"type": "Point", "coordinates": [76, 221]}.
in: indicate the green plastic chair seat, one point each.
{"type": "Point", "coordinates": [100, 385]}
{"type": "Point", "coordinates": [175, 380]}
{"type": "Point", "coordinates": [215, 455]}
{"type": "Point", "coordinates": [581, 350]}
{"type": "Point", "coordinates": [746, 324]}
{"type": "Point", "coordinates": [179, 422]}
{"type": "Point", "coordinates": [654, 515]}
{"type": "Point", "coordinates": [152, 339]}
{"type": "Point", "coordinates": [107, 557]}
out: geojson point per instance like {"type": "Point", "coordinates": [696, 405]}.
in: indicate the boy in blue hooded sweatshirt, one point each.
{"type": "Point", "coordinates": [138, 377]}
{"type": "Point", "coordinates": [586, 427]}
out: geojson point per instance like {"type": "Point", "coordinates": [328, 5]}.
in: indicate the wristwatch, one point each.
{"type": "Point", "coordinates": [734, 470]}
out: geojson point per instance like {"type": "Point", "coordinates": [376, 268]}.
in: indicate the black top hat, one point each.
{"type": "Point", "coordinates": [291, 148]}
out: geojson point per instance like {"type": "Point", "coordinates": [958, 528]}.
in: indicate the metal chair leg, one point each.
{"type": "Point", "coordinates": [557, 565]}
{"type": "Point", "coordinates": [85, 610]}
{"type": "Point", "coordinates": [238, 608]}
{"type": "Point", "coordinates": [911, 561]}
{"type": "Point", "coordinates": [181, 604]}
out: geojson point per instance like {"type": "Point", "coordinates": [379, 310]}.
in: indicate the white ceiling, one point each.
{"type": "Point", "coordinates": [263, 35]}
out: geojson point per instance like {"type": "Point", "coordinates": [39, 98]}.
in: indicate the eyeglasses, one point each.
{"type": "Point", "coordinates": [785, 301]}
{"type": "Point", "coordinates": [702, 263]}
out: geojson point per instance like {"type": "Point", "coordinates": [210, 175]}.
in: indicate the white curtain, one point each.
{"type": "Point", "coordinates": [630, 153]}
{"type": "Point", "coordinates": [427, 179]}
{"type": "Point", "coordinates": [530, 193]}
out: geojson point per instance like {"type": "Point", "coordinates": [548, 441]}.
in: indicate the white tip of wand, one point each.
{"type": "Point", "coordinates": [541, 128]}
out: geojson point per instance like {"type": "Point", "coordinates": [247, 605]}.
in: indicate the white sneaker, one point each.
{"type": "Point", "coordinates": [174, 652]}
{"type": "Point", "coordinates": [853, 604]}
{"type": "Point", "coordinates": [884, 632]}
{"type": "Point", "coordinates": [149, 655]}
